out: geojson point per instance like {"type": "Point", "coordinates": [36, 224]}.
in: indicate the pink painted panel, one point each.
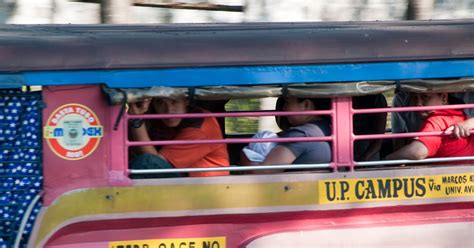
{"type": "Point", "coordinates": [63, 174]}
{"type": "Point", "coordinates": [118, 150]}
{"type": "Point", "coordinates": [241, 229]}
{"type": "Point", "coordinates": [342, 130]}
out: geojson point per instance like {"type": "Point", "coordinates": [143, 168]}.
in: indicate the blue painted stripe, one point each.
{"type": "Point", "coordinates": [9, 81]}
{"type": "Point", "coordinates": [253, 75]}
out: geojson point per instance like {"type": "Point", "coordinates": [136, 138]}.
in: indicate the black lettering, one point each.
{"type": "Point", "coordinates": [182, 245]}
{"type": "Point", "coordinates": [208, 244]}
{"type": "Point", "coordinates": [431, 185]}
{"type": "Point", "coordinates": [146, 246]}
{"type": "Point", "coordinates": [468, 189]}
{"type": "Point", "coordinates": [420, 185]}
{"type": "Point", "coordinates": [172, 245]}
{"type": "Point", "coordinates": [409, 189]}
{"type": "Point", "coordinates": [455, 179]}
{"type": "Point", "coordinates": [344, 189]}
{"type": "Point", "coordinates": [445, 179]}
{"type": "Point", "coordinates": [192, 244]}
{"type": "Point", "coordinates": [384, 188]}
{"type": "Point", "coordinates": [120, 246]}
{"type": "Point", "coordinates": [397, 186]}
{"type": "Point", "coordinates": [448, 190]}
{"type": "Point", "coordinates": [453, 190]}
{"type": "Point", "coordinates": [331, 196]}
{"type": "Point", "coordinates": [370, 190]}
{"type": "Point", "coordinates": [162, 245]}
{"type": "Point", "coordinates": [359, 195]}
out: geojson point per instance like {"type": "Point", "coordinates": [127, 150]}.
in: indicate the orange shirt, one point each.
{"type": "Point", "coordinates": [199, 156]}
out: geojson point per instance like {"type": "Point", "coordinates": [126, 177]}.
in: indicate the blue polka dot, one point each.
{"type": "Point", "coordinates": [20, 181]}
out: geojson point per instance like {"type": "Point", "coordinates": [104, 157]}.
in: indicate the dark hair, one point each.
{"type": "Point", "coordinates": [281, 121]}
{"type": "Point", "coordinates": [454, 100]}
{"type": "Point", "coordinates": [159, 131]}
{"type": "Point", "coordinates": [319, 104]}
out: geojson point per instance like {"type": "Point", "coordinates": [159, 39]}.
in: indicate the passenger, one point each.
{"type": "Point", "coordinates": [301, 126]}
{"type": "Point", "coordinates": [177, 156]}
{"type": "Point", "coordinates": [369, 150]}
{"type": "Point", "coordinates": [255, 153]}
{"type": "Point", "coordinates": [404, 122]}
{"type": "Point", "coordinates": [437, 120]}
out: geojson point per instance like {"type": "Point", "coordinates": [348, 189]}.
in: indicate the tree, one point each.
{"type": "Point", "coordinates": [114, 11]}
{"type": "Point", "coordinates": [419, 9]}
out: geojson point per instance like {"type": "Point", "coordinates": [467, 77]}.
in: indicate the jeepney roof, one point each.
{"type": "Point", "coordinates": [86, 47]}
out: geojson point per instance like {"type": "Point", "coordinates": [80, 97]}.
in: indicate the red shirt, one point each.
{"type": "Point", "coordinates": [446, 146]}
{"type": "Point", "coordinates": [199, 156]}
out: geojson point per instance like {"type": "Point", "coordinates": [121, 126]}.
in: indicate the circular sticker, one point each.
{"type": "Point", "coordinates": [73, 131]}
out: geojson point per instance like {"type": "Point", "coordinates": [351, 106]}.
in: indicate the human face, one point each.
{"type": "Point", "coordinates": [429, 99]}
{"type": "Point", "coordinates": [293, 104]}
{"type": "Point", "coordinates": [170, 106]}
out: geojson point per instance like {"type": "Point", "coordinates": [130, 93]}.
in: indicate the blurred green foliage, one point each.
{"type": "Point", "coordinates": [242, 125]}
{"type": "Point", "coordinates": [389, 97]}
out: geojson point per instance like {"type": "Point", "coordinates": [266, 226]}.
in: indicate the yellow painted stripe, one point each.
{"type": "Point", "coordinates": [397, 188]}
{"type": "Point", "coordinates": [211, 242]}
{"type": "Point", "coordinates": [175, 198]}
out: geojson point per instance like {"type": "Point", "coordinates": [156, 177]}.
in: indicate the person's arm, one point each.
{"type": "Point", "coordinates": [245, 161]}
{"type": "Point", "coordinates": [461, 129]}
{"type": "Point", "coordinates": [373, 148]}
{"type": "Point", "coordinates": [280, 155]}
{"type": "Point", "coordinates": [141, 133]}
{"type": "Point", "coordinates": [416, 150]}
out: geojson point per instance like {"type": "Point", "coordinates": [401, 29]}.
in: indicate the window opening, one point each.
{"type": "Point", "coordinates": [414, 132]}
{"type": "Point", "coordinates": [344, 107]}
{"type": "Point", "coordinates": [231, 140]}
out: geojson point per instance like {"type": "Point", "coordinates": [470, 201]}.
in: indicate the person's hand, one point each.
{"type": "Point", "coordinates": [459, 130]}
{"type": "Point", "coordinates": [139, 108]}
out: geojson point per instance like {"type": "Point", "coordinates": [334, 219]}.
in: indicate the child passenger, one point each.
{"type": "Point", "coordinates": [437, 120]}
{"type": "Point", "coordinates": [177, 156]}
{"type": "Point", "coordinates": [299, 126]}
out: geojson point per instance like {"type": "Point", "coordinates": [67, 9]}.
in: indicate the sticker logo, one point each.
{"type": "Point", "coordinates": [73, 131]}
